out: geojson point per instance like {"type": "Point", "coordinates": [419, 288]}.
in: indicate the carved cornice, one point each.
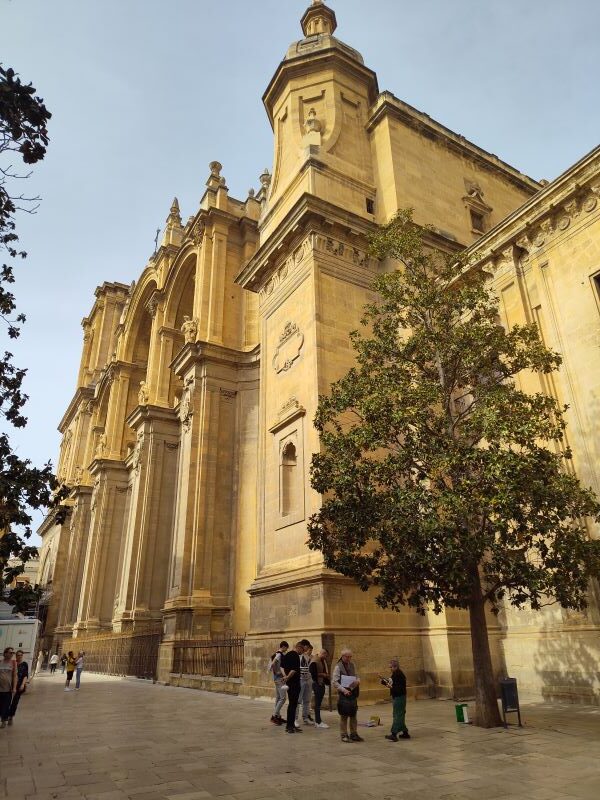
{"type": "Point", "coordinates": [568, 200]}
{"type": "Point", "coordinates": [343, 234]}
{"type": "Point", "coordinates": [206, 352]}
{"type": "Point", "coordinates": [81, 398]}
{"type": "Point", "coordinates": [288, 412]}
{"type": "Point", "coordinates": [389, 105]}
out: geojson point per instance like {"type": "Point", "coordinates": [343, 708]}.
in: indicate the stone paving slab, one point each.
{"type": "Point", "coordinates": [130, 740]}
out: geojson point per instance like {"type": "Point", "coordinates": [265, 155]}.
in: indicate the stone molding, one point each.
{"type": "Point", "coordinates": [564, 202]}
{"type": "Point", "coordinates": [288, 412]}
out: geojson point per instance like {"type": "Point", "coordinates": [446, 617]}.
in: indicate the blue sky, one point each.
{"type": "Point", "coordinates": [145, 93]}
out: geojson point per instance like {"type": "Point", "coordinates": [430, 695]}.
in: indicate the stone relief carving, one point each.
{"type": "Point", "coordinates": [556, 223]}
{"type": "Point", "coordinates": [291, 340]}
{"type": "Point", "coordinates": [137, 453]}
{"type": "Point", "coordinates": [185, 409]}
{"type": "Point", "coordinates": [326, 244]}
{"type": "Point", "coordinates": [189, 329]}
{"type": "Point", "coordinates": [229, 394]}
{"type": "Point", "coordinates": [101, 445]}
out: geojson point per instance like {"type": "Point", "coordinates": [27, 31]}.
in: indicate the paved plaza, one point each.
{"type": "Point", "coordinates": [117, 739]}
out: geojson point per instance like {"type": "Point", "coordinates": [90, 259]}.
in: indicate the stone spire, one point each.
{"type": "Point", "coordinates": [318, 18]}
{"type": "Point", "coordinates": [173, 228]}
{"type": "Point", "coordinates": [174, 217]}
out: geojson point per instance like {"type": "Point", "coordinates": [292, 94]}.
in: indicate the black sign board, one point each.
{"type": "Point", "coordinates": [510, 699]}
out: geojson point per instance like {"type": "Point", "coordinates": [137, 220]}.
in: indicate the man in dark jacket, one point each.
{"type": "Point", "coordinates": [396, 683]}
{"type": "Point", "coordinates": [290, 663]}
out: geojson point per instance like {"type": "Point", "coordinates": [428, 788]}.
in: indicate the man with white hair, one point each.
{"type": "Point", "coordinates": [396, 683]}
{"type": "Point", "coordinates": [347, 683]}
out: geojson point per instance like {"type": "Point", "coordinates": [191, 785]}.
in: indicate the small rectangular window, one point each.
{"type": "Point", "coordinates": [370, 206]}
{"type": "Point", "coordinates": [477, 222]}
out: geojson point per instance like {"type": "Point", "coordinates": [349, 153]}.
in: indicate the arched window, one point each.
{"type": "Point", "coordinates": [289, 479]}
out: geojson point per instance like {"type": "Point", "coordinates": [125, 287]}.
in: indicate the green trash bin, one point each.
{"type": "Point", "coordinates": [462, 713]}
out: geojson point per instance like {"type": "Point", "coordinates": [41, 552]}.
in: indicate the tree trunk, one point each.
{"type": "Point", "coordinates": [487, 714]}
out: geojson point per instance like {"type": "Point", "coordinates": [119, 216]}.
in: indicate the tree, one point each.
{"type": "Point", "coordinates": [444, 483]}
{"type": "Point", "coordinates": [23, 135]}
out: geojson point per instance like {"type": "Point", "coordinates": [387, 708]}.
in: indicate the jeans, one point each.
{"type": "Point", "coordinates": [62, 669]}
{"type": "Point", "coordinates": [52, 668]}
{"type": "Point", "coordinates": [293, 695]}
{"type": "Point", "coordinates": [319, 692]}
{"type": "Point", "coordinates": [280, 697]}
{"type": "Point", "coordinates": [15, 702]}
{"type": "Point", "coordinates": [399, 706]}
{"type": "Point", "coordinates": [5, 701]}
{"type": "Point", "coordinates": [305, 695]}
{"type": "Point", "coordinates": [78, 672]}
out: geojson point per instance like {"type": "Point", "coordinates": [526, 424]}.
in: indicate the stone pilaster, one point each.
{"type": "Point", "coordinates": [108, 512]}
{"type": "Point", "coordinates": [142, 585]}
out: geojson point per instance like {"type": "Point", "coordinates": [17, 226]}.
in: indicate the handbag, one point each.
{"type": "Point", "coordinates": [347, 705]}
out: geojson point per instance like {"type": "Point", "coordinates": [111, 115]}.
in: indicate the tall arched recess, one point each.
{"type": "Point", "coordinates": [179, 306]}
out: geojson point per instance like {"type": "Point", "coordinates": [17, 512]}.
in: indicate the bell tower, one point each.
{"type": "Point", "coordinates": [312, 273]}
{"type": "Point", "coordinates": [318, 103]}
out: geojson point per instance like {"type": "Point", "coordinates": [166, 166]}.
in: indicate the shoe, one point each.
{"type": "Point", "coordinates": [346, 738]}
{"type": "Point", "coordinates": [308, 721]}
{"type": "Point", "coordinates": [290, 730]}
{"type": "Point", "coordinates": [274, 720]}
{"type": "Point", "coordinates": [298, 730]}
{"type": "Point", "coordinates": [321, 725]}
{"type": "Point", "coordinates": [392, 737]}
{"type": "Point", "coordinates": [309, 718]}
{"type": "Point", "coordinates": [297, 726]}
{"type": "Point", "coordinates": [10, 719]}
{"type": "Point", "coordinates": [3, 724]}
{"type": "Point", "coordinates": [405, 735]}
{"type": "Point", "coordinates": [279, 720]}
{"type": "Point", "coordinates": [354, 737]}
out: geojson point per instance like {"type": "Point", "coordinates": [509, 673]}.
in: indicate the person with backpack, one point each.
{"type": "Point", "coordinates": [281, 688]}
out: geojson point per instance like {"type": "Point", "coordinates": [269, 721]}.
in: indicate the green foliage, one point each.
{"type": "Point", "coordinates": [24, 136]}
{"type": "Point", "coordinates": [444, 483]}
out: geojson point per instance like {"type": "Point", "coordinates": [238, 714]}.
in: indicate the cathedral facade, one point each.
{"type": "Point", "coordinates": [188, 440]}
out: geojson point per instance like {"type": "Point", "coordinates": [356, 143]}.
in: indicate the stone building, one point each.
{"type": "Point", "coordinates": [188, 440]}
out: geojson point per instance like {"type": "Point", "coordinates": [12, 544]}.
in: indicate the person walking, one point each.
{"type": "Point", "coordinates": [53, 663]}
{"type": "Point", "coordinates": [346, 683]}
{"type": "Point", "coordinates": [290, 664]}
{"type": "Point", "coordinates": [78, 668]}
{"type": "Point", "coordinates": [63, 663]}
{"type": "Point", "coordinates": [319, 673]}
{"type": "Point", "coordinates": [305, 684]}
{"type": "Point", "coordinates": [8, 683]}
{"type": "Point", "coordinates": [281, 688]}
{"type": "Point", "coordinates": [396, 683]}
{"type": "Point", "coordinates": [22, 678]}
{"type": "Point", "coordinates": [71, 663]}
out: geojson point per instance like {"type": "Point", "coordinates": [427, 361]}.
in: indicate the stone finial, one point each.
{"type": "Point", "coordinates": [318, 18]}
{"type": "Point", "coordinates": [214, 179]}
{"type": "Point", "coordinates": [174, 217]}
{"type": "Point", "coordinates": [265, 179]}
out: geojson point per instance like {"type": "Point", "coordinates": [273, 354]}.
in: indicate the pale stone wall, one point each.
{"type": "Point", "coordinates": [545, 261]}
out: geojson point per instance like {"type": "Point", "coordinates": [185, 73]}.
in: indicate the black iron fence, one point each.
{"type": "Point", "coordinates": [134, 654]}
{"type": "Point", "coordinates": [221, 658]}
